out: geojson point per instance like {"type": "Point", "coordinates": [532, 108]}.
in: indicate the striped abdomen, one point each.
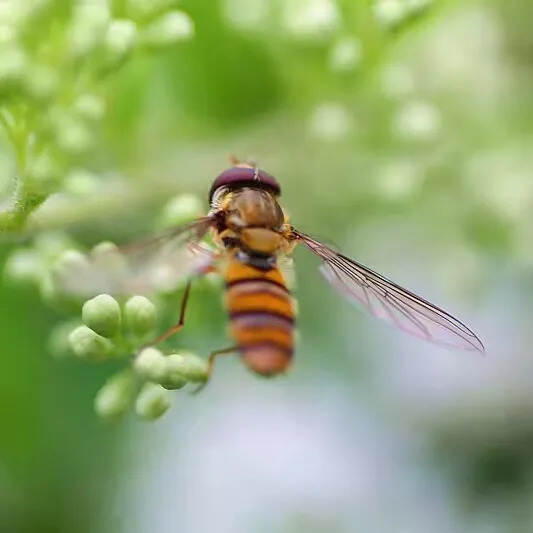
{"type": "Point", "coordinates": [261, 316]}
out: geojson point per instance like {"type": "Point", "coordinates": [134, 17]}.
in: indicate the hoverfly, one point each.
{"type": "Point", "coordinates": [252, 235]}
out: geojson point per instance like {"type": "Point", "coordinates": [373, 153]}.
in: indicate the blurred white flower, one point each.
{"type": "Point", "coordinates": [330, 122]}
{"type": "Point", "coordinates": [398, 180]}
{"type": "Point", "coordinates": [345, 54]}
{"type": "Point", "coordinates": [311, 19]}
{"type": "Point", "coordinates": [120, 38]}
{"type": "Point", "coordinates": [390, 12]}
{"type": "Point", "coordinates": [417, 120]}
{"type": "Point", "coordinates": [465, 53]}
{"type": "Point", "coordinates": [88, 26]}
{"type": "Point", "coordinates": [397, 80]}
{"type": "Point", "coordinates": [169, 29]}
{"type": "Point", "coordinates": [246, 14]}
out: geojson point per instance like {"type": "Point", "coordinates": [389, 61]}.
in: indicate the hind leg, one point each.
{"type": "Point", "coordinates": [211, 364]}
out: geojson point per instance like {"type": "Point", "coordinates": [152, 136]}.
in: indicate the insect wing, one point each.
{"type": "Point", "coordinates": [155, 264]}
{"type": "Point", "coordinates": [390, 302]}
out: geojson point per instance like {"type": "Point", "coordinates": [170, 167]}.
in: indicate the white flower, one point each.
{"type": "Point", "coordinates": [311, 19]}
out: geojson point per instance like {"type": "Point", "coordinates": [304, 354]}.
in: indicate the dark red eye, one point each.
{"type": "Point", "coordinates": [245, 177]}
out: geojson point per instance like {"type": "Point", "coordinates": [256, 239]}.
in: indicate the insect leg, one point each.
{"type": "Point", "coordinates": [181, 322]}
{"type": "Point", "coordinates": [211, 363]}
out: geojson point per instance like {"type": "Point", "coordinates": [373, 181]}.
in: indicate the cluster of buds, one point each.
{"type": "Point", "coordinates": [112, 328]}
{"type": "Point", "coordinates": [53, 65]}
{"type": "Point", "coordinates": [110, 331]}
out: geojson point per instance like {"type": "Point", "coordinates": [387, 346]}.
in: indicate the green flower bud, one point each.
{"type": "Point", "coordinates": [104, 248]}
{"type": "Point", "coordinates": [152, 401]}
{"type": "Point", "coordinates": [24, 266]}
{"type": "Point", "coordinates": [102, 314]}
{"type": "Point", "coordinates": [180, 210]}
{"type": "Point", "coordinates": [151, 364]}
{"type": "Point", "coordinates": [140, 315]}
{"type": "Point", "coordinates": [88, 345]}
{"type": "Point", "coordinates": [116, 395]}
{"type": "Point", "coordinates": [187, 365]}
{"type": "Point", "coordinates": [170, 28]}
{"type": "Point", "coordinates": [120, 40]}
{"type": "Point", "coordinates": [71, 265]}
{"type": "Point", "coordinates": [173, 378]}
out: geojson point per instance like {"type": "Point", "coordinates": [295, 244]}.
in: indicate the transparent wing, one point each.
{"type": "Point", "coordinates": [388, 301]}
{"type": "Point", "coordinates": [159, 263]}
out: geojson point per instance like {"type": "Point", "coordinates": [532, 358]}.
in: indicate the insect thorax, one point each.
{"type": "Point", "coordinates": [249, 219]}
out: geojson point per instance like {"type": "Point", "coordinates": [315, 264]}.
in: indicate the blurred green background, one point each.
{"type": "Point", "coordinates": [400, 130]}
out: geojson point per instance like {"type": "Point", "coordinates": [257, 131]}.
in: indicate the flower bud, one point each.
{"type": "Point", "coordinates": [140, 315]}
{"type": "Point", "coordinates": [24, 266]}
{"type": "Point", "coordinates": [188, 366]}
{"type": "Point", "coordinates": [170, 28]}
{"type": "Point", "coordinates": [107, 257]}
{"type": "Point", "coordinates": [152, 401]}
{"type": "Point", "coordinates": [88, 345]}
{"type": "Point", "coordinates": [104, 248]}
{"type": "Point", "coordinates": [173, 379]}
{"type": "Point", "coordinates": [151, 364]}
{"type": "Point", "coordinates": [71, 267]}
{"type": "Point", "coordinates": [102, 314]}
{"type": "Point", "coordinates": [116, 395]}
{"type": "Point", "coordinates": [119, 40]}
{"type": "Point", "coordinates": [180, 210]}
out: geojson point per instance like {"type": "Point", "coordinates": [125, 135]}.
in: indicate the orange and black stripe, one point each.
{"type": "Point", "coordinates": [261, 316]}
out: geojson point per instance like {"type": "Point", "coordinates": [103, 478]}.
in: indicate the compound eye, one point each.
{"type": "Point", "coordinates": [241, 176]}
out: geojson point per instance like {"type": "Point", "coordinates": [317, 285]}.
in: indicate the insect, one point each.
{"type": "Point", "coordinates": [252, 235]}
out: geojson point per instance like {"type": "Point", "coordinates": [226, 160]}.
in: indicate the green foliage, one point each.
{"type": "Point", "coordinates": [56, 58]}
